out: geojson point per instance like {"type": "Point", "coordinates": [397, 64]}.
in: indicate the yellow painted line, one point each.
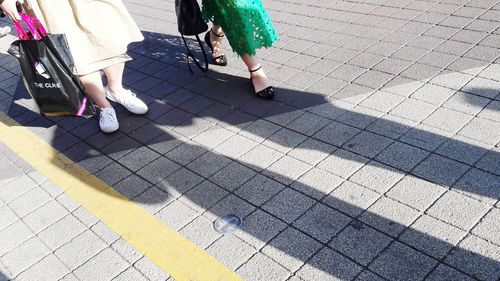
{"type": "Point", "coordinates": [164, 246]}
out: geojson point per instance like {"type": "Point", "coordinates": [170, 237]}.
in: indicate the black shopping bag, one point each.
{"type": "Point", "coordinates": [48, 71]}
{"type": "Point", "coordinates": [191, 23]}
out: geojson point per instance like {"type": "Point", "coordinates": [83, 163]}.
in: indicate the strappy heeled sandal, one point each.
{"type": "Point", "coordinates": [267, 93]}
{"type": "Point", "coordinates": [219, 60]}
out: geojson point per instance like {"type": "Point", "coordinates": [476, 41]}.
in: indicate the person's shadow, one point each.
{"type": "Point", "coordinates": [196, 143]}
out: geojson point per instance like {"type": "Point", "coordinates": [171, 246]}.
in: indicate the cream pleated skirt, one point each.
{"type": "Point", "coordinates": [98, 31]}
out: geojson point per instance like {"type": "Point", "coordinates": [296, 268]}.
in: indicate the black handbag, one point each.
{"type": "Point", "coordinates": [48, 72]}
{"type": "Point", "coordinates": [191, 23]}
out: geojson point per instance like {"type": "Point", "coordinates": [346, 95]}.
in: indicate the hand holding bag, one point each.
{"type": "Point", "coordinates": [48, 71]}
{"type": "Point", "coordinates": [191, 23]}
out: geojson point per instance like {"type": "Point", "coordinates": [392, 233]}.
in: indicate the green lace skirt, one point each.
{"type": "Point", "coordinates": [245, 23]}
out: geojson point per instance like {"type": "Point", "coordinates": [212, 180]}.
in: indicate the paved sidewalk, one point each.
{"type": "Point", "coordinates": [378, 160]}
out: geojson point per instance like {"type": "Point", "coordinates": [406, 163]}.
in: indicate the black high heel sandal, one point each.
{"type": "Point", "coordinates": [219, 60]}
{"type": "Point", "coordinates": [267, 93]}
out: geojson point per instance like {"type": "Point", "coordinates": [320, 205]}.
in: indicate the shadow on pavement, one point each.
{"type": "Point", "coordinates": [162, 150]}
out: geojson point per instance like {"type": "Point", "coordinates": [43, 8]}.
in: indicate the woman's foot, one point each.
{"type": "Point", "coordinates": [260, 83]}
{"type": "Point", "coordinates": [107, 120]}
{"type": "Point", "coordinates": [214, 42]}
{"type": "Point", "coordinates": [128, 99]}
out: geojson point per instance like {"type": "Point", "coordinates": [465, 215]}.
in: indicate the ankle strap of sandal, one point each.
{"type": "Point", "coordinates": [216, 33]}
{"type": "Point", "coordinates": [257, 69]}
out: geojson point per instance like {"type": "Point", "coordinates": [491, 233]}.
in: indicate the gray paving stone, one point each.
{"type": "Point", "coordinates": [132, 186]}
{"type": "Point", "coordinates": [80, 249]}
{"type": "Point", "coordinates": [446, 273]}
{"type": "Point", "coordinates": [328, 265]}
{"type": "Point", "coordinates": [291, 249]}
{"type": "Point", "coordinates": [13, 236]}
{"type": "Point", "coordinates": [24, 256]}
{"type": "Point", "coordinates": [448, 120]}
{"type": "Point", "coordinates": [368, 276]}
{"type": "Point", "coordinates": [377, 176]}
{"type": "Point", "coordinates": [177, 215]}
{"type": "Point", "coordinates": [440, 170]}
{"type": "Point", "coordinates": [317, 183]}
{"type": "Point", "coordinates": [17, 187]}
{"type": "Point", "coordinates": [230, 205]}
{"type": "Point", "coordinates": [180, 182]}
{"type": "Point", "coordinates": [30, 201]}
{"type": "Point", "coordinates": [311, 151]}
{"type": "Point", "coordinates": [260, 267]}
{"type": "Point", "coordinates": [360, 117]}
{"type": "Point", "coordinates": [153, 200]}
{"type": "Point", "coordinates": [433, 94]}
{"type": "Point", "coordinates": [483, 130]}
{"type": "Point", "coordinates": [51, 188]}
{"type": "Point", "coordinates": [112, 173]}
{"type": "Point", "coordinates": [186, 153]}
{"type": "Point", "coordinates": [166, 142]}
{"type": "Point", "coordinates": [260, 157]}
{"type": "Point", "coordinates": [201, 232]}
{"type": "Point", "coordinates": [382, 101]}
{"type": "Point", "coordinates": [287, 169]}
{"type": "Point", "coordinates": [402, 156]}
{"type": "Point", "coordinates": [482, 87]}
{"type": "Point", "coordinates": [151, 270]}
{"type": "Point", "coordinates": [61, 232]}
{"type": "Point", "coordinates": [360, 242]}
{"type": "Point", "coordinates": [158, 170]}
{"type": "Point", "coordinates": [284, 140]}
{"type": "Point", "coordinates": [399, 262]}
{"type": "Point", "coordinates": [432, 236]}
{"type": "Point", "coordinates": [367, 144]}
{"type": "Point", "coordinates": [458, 210]}
{"type": "Point", "coordinates": [322, 222]}
{"type": "Point", "coordinates": [213, 137]}
{"type": "Point", "coordinates": [130, 274]}
{"type": "Point", "coordinates": [56, 272]}
{"type": "Point", "coordinates": [235, 146]}
{"type": "Point", "coordinates": [232, 176]}
{"type": "Point", "coordinates": [351, 198]}
{"type": "Point", "coordinates": [491, 161]}
{"type": "Point", "coordinates": [415, 192]}
{"type": "Point", "coordinates": [391, 126]}
{"type": "Point", "coordinates": [203, 196]}
{"type": "Point", "coordinates": [139, 158]}
{"type": "Point", "coordinates": [259, 228]}
{"type": "Point", "coordinates": [463, 149]}
{"type": "Point", "coordinates": [85, 216]}
{"type": "Point", "coordinates": [259, 189]}
{"type": "Point", "coordinates": [8, 216]}
{"type": "Point", "coordinates": [342, 163]}
{"type": "Point", "coordinates": [466, 103]}
{"type": "Point", "coordinates": [126, 250]}
{"type": "Point", "coordinates": [389, 216]}
{"type": "Point", "coordinates": [260, 130]}
{"type": "Point", "coordinates": [426, 137]}
{"type": "Point", "coordinates": [476, 257]}
{"type": "Point", "coordinates": [208, 164]}
{"type": "Point", "coordinates": [104, 266]}
{"type": "Point", "coordinates": [288, 205]}
{"type": "Point", "coordinates": [489, 227]}
{"type": "Point", "coordinates": [480, 185]}
{"type": "Point", "coordinates": [336, 133]}
{"type": "Point", "coordinates": [413, 109]}
{"type": "Point", "coordinates": [231, 251]}
{"type": "Point", "coordinates": [44, 216]}
{"type": "Point", "coordinates": [106, 234]}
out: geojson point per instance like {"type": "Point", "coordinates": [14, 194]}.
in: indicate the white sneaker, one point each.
{"type": "Point", "coordinates": [107, 120]}
{"type": "Point", "coordinates": [4, 31]}
{"type": "Point", "coordinates": [129, 100]}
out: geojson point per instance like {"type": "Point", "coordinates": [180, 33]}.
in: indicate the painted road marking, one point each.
{"type": "Point", "coordinates": [161, 244]}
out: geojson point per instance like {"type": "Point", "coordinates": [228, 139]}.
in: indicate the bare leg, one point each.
{"type": "Point", "coordinates": [216, 40]}
{"type": "Point", "coordinates": [259, 78]}
{"type": "Point", "coordinates": [95, 89]}
{"type": "Point", "coordinates": [114, 74]}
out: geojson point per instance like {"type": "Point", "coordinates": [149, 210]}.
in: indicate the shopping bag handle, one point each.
{"type": "Point", "coordinates": [34, 26]}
